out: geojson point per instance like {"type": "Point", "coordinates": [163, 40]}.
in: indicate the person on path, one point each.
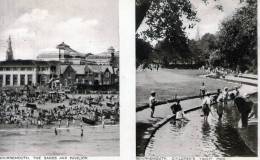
{"type": "Point", "coordinates": [152, 102]}
{"type": "Point", "coordinates": [202, 90]}
{"type": "Point", "coordinates": [206, 106]}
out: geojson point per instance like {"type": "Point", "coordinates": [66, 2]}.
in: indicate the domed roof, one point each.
{"type": "Point", "coordinates": [48, 54]}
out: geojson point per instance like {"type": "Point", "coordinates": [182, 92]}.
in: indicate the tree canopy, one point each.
{"type": "Point", "coordinates": [164, 20]}
{"type": "Point", "coordinates": [238, 38]}
{"type": "Point", "coordinates": [234, 46]}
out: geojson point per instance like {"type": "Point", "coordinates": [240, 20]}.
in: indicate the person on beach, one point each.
{"type": "Point", "coordinates": [103, 121]}
{"type": "Point", "coordinates": [81, 132]}
{"type": "Point", "coordinates": [206, 106]}
{"type": "Point", "coordinates": [81, 124]}
{"type": "Point", "coordinates": [55, 131]}
{"type": "Point", "coordinates": [59, 123]}
{"type": "Point", "coordinates": [68, 122]}
{"type": "Point", "coordinates": [152, 102]}
{"type": "Point", "coordinates": [202, 90]}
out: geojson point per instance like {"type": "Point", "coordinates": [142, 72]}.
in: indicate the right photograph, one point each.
{"type": "Point", "coordinates": [196, 78]}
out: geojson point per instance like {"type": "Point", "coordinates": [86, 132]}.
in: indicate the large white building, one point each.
{"type": "Point", "coordinates": [26, 72]}
{"type": "Point", "coordinates": [61, 65]}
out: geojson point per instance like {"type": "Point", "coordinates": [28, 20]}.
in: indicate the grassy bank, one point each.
{"type": "Point", "coordinates": [169, 82]}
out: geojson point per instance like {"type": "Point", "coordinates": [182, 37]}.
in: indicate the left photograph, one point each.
{"type": "Point", "coordinates": [59, 78]}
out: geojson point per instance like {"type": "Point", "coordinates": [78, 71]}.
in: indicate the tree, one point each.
{"type": "Point", "coordinates": [143, 51]}
{"type": "Point", "coordinates": [196, 52]}
{"type": "Point", "coordinates": [238, 38]}
{"type": "Point", "coordinates": [164, 20]}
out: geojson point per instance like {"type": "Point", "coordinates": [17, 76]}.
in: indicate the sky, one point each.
{"type": "Point", "coordinates": [210, 17]}
{"type": "Point", "coordinates": [36, 26]}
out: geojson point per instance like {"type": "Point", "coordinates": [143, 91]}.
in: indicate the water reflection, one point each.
{"type": "Point", "coordinates": [200, 138]}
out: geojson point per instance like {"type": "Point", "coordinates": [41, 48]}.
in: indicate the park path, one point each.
{"type": "Point", "coordinates": [240, 79]}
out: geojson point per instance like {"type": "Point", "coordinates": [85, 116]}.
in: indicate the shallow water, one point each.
{"type": "Point", "coordinates": [96, 141]}
{"type": "Point", "coordinates": [198, 138]}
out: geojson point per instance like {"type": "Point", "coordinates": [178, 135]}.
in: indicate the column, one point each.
{"type": "Point", "coordinates": [11, 80]}
{"type": "Point", "coordinates": [26, 79]}
{"type": "Point", "coordinates": [34, 79]}
{"type": "Point", "coordinates": [4, 80]}
{"type": "Point", "coordinates": [18, 80]}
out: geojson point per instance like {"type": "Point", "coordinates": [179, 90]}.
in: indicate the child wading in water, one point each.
{"type": "Point", "coordinates": [220, 106]}
{"type": "Point", "coordinates": [206, 106]}
{"type": "Point", "coordinates": [152, 102]}
{"type": "Point", "coordinates": [180, 116]}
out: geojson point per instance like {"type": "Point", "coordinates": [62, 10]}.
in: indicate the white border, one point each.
{"type": "Point", "coordinates": [127, 79]}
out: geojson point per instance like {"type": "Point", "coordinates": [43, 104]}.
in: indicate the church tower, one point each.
{"type": "Point", "coordinates": [9, 52]}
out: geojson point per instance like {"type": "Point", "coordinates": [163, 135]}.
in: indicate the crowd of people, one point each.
{"type": "Point", "coordinates": [24, 110]}
{"type": "Point", "coordinates": [244, 105]}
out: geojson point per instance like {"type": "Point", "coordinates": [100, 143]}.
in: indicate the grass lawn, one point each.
{"type": "Point", "coordinates": [168, 82]}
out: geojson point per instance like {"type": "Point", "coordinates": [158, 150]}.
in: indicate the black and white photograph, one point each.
{"type": "Point", "coordinates": [59, 78]}
{"type": "Point", "coordinates": [196, 78]}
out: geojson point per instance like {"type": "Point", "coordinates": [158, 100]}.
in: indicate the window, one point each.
{"type": "Point", "coordinates": [107, 74]}
{"type": "Point", "coordinates": [22, 79]}
{"type": "Point", "coordinates": [1, 69]}
{"type": "Point", "coordinates": [7, 80]}
{"type": "Point", "coordinates": [1, 80]}
{"type": "Point", "coordinates": [15, 79]}
{"type": "Point", "coordinates": [44, 68]}
{"type": "Point", "coordinates": [29, 69]}
{"type": "Point", "coordinates": [15, 69]}
{"type": "Point", "coordinates": [29, 79]}
{"type": "Point", "coordinates": [7, 69]}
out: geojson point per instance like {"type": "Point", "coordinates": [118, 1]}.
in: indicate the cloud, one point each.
{"type": "Point", "coordinates": [210, 16]}
{"type": "Point", "coordinates": [39, 29]}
